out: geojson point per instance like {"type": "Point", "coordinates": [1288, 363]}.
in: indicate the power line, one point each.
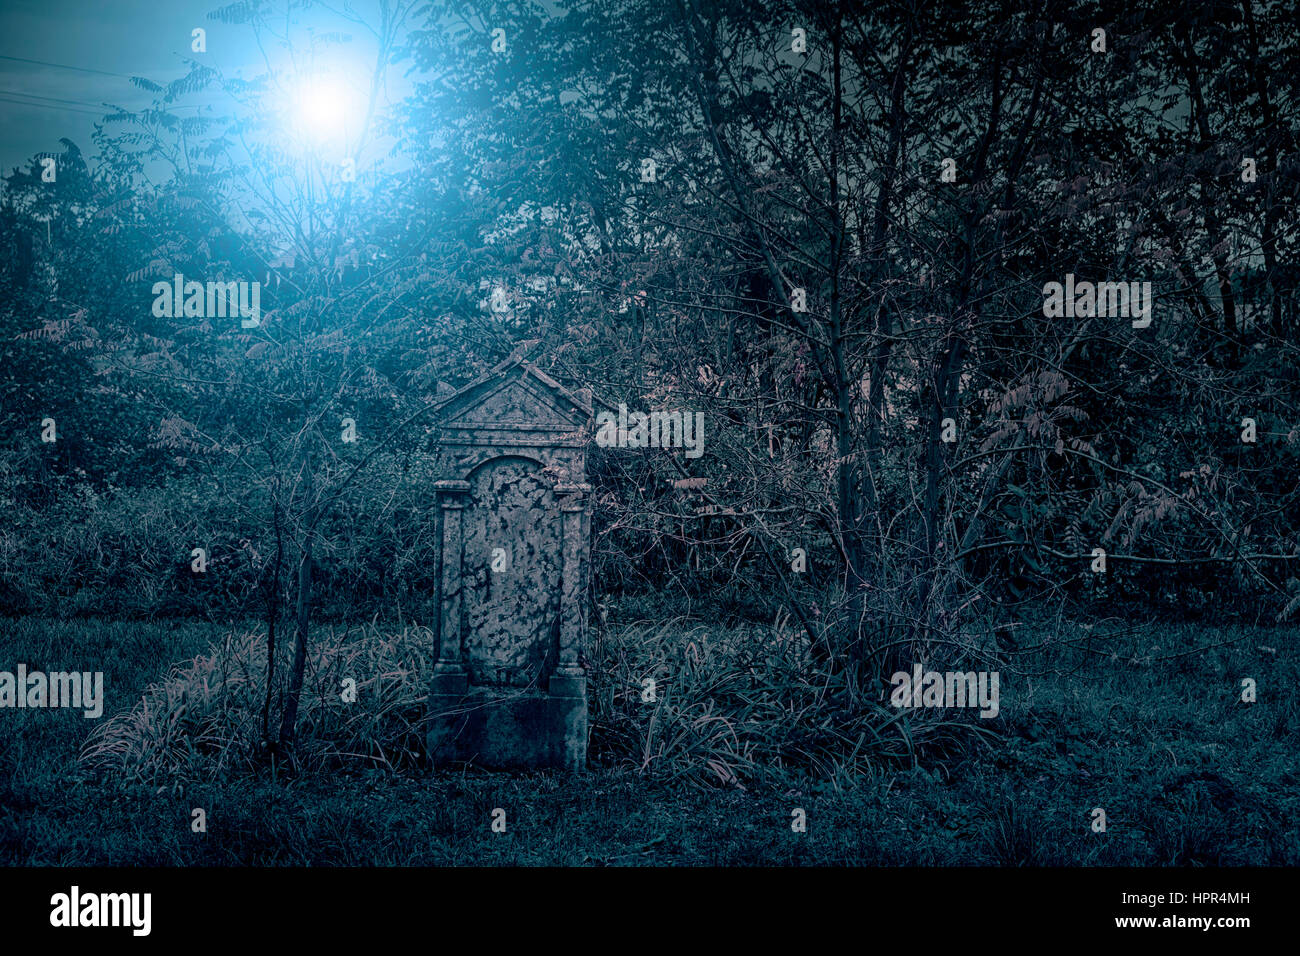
{"type": "Point", "coordinates": [55, 99]}
{"type": "Point", "coordinates": [49, 106]}
{"type": "Point", "coordinates": [11, 96]}
{"type": "Point", "coordinates": [64, 66]}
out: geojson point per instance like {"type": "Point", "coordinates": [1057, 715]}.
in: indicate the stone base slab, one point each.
{"type": "Point", "coordinates": [506, 729]}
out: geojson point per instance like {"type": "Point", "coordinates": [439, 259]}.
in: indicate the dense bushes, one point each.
{"type": "Point", "coordinates": [127, 553]}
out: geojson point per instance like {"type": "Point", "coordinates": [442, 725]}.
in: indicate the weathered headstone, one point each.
{"type": "Point", "coordinates": [508, 689]}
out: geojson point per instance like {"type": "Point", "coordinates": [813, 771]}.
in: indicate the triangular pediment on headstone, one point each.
{"type": "Point", "coordinates": [515, 394]}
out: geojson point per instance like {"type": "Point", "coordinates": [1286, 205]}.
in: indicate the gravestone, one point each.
{"type": "Point", "coordinates": [508, 688]}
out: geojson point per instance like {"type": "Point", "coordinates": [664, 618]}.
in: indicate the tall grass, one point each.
{"type": "Point", "coordinates": [745, 704]}
{"type": "Point", "coordinates": [730, 707]}
{"type": "Point", "coordinates": [1145, 720]}
{"type": "Point", "coordinates": [203, 720]}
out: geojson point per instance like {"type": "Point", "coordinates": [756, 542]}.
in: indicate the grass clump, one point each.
{"type": "Point", "coordinates": [733, 706]}
{"type": "Point", "coordinates": [204, 720]}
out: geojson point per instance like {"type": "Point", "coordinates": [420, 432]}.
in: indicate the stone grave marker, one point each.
{"type": "Point", "coordinates": [508, 690]}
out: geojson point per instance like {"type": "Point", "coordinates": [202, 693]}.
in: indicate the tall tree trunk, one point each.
{"type": "Point", "coordinates": [849, 490]}
{"type": "Point", "coordinates": [272, 616]}
{"type": "Point", "coordinates": [884, 321]}
{"type": "Point", "coordinates": [1280, 135]}
{"type": "Point", "coordinates": [940, 397]}
{"type": "Point", "coordinates": [289, 720]}
{"type": "Point", "coordinates": [1213, 226]}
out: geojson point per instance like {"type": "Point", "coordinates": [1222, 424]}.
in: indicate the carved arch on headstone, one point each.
{"type": "Point", "coordinates": [512, 616]}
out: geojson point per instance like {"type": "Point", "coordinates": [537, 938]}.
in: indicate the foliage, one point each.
{"type": "Point", "coordinates": [203, 719]}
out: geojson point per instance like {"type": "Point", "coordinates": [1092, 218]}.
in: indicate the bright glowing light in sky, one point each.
{"type": "Point", "coordinates": [327, 110]}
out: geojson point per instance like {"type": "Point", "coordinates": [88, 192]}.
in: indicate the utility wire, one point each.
{"type": "Point", "coordinates": [56, 99]}
{"type": "Point", "coordinates": [64, 66]}
{"type": "Point", "coordinates": [101, 109]}
{"type": "Point", "coordinates": [50, 106]}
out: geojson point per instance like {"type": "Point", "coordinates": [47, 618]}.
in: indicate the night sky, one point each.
{"type": "Point", "coordinates": [98, 45]}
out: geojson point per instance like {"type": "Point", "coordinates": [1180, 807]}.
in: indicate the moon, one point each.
{"type": "Point", "coordinates": [328, 110]}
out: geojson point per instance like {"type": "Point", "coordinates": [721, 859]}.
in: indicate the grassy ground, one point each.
{"type": "Point", "coordinates": [1141, 724]}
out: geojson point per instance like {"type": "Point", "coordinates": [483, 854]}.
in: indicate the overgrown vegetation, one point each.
{"type": "Point", "coordinates": [1096, 717]}
{"type": "Point", "coordinates": [204, 719]}
{"type": "Point", "coordinates": [906, 460]}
